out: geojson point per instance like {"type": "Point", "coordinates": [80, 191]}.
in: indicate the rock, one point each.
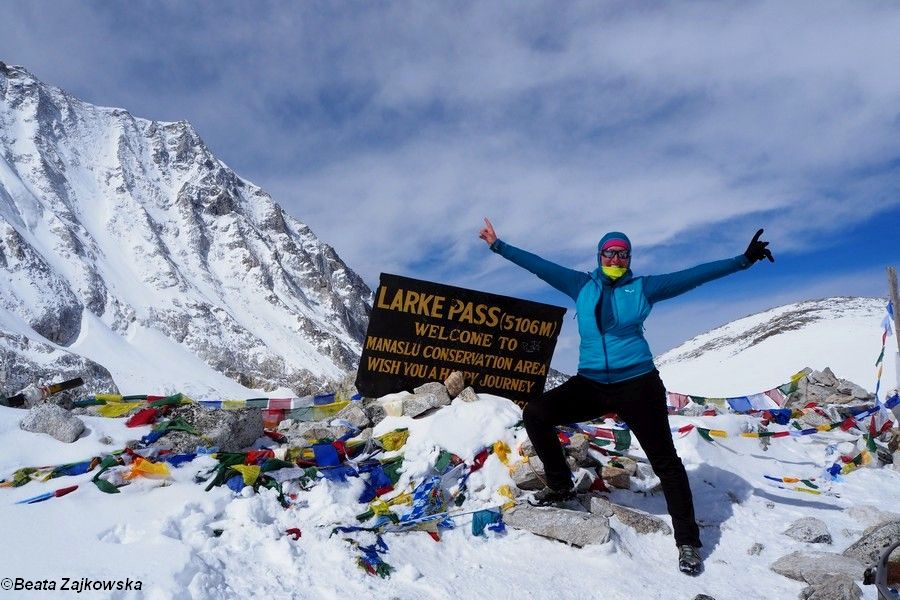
{"type": "Point", "coordinates": [582, 480]}
{"type": "Point", "coordinates": [848, 388]}
{"type": "Point", "coordinates": [468, 395]}
{"type": "Point", "coordinates": [832, 587]}
{"type": "Point", "coordinates": [355, 414]}
{"type": "Point", "coordinates": [814, 419]}
{"type": "Point", "coordinates": [374, 410]}
{"type": "Point", "coordinates": [578, 449]}
{"type": "Point", "coordinates": [616, 477]}
{"type": "Point", "coordinates": [837, 398]}
{"type": "Point", "coordinates": [875, 539]}
{"type": "Point", "coordinates": [756, 549]}
{"type": "Point", "coordinates": [53, 420]}
{"type": "Point", "coordinates": [228, 430]}
{"type": "Point", "coordinates": [302, 433]}
{"type": "Point", "coordinates": [893, 439]}
{"type": "Point", "coordinates": [703, 597]}
{"type": "Point", "coordinates": [527, 448]}
{"type": "Point", "coordinates": [826, 377]}
{"type": "Point", "coordinates": [643, 523]}
{"type": "Point", "coordinates": [813, 567]}
{"type": "Point", "coordinates": [442, 398]}
{"type": "Point", "coordinates": [817, 393]}
{"type": "Point", "coordinates": [455, 383]}
{"type": "Point", "coordinates": [570, 526]}
{"type": "Point", "coordinates": [810, 530]}
{"type": "Point", "coordinates": [694, 410]}
{"type": "Point", "coordinates": [630, 465]}
{"type": "Point", "coordinates": [529, 475]}
{"type": "Point", "coordinates": [869, 515]}
{"type": "Point", "coordinates": [896, 457]}
{"type": "Point", "coordinates": [417, 404]}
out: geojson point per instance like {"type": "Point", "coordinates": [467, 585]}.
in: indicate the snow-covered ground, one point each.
{"type": "Point", "coordinates": [163, 532]}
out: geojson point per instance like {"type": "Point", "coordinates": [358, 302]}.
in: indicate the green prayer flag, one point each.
{"type": "Point", "coordinates": [623, 439]}
{"type": "Point", "coordinates": [106, 487]}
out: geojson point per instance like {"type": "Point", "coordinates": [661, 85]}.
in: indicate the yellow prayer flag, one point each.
{"type": "Point", "coordinates": [502, 452]}
{"type": "Point", "coordinates": [117, 409]}
{"type": "Point", "coordinates": [234, 404]}
{"type": "Point", "coordinates": [144, 468]}
{"type": "Point", "coordinates": [394, 440]}
{"type": "Point", "coordinates": [506, 492]}
{"type": "Point", "coordinates": [108, 397]}
{"type": "Point", "coordinates": [250, 473]}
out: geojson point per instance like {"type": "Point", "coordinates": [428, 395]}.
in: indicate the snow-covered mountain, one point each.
{"type": "Point", "coordinates": [126, 243]}
{"type": "Point", "coordinates": [761, 351]}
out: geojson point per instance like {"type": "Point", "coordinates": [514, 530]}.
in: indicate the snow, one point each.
{"type": "Point", "coordinates": [161, 532]}
{"type": "Point", "coordinates": [846, 338]}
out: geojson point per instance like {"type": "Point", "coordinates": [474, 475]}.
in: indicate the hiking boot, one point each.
{"type": "Point", "coordinates": [550, 497]}
{"type": "Point", "coordinates": [689, 560]}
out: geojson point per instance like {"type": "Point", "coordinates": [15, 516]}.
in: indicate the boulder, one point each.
{"type": "Point", "coordinates": [374, 410]}
{"type": "Point", "coordinates": [832, 587]}
{"type": "Point", "coordinates": [756, 549]}
{"type": "Point", "coordinates": [355, 414]}
{"type": "Point", "coordinates": [529, 475]}
{"type": "Point", "coordinates": [53, 420]}
{"type": "Point", "coordinates": [813, 567]}
{"type": "Point", "coordinates": [416, 404]}
{"type": "Point", "coordinates": [228, 430]}
{"type": "Point", "coordinates": [826, 377]}
{"type": "Point", "coordinates": [570, 526]}
{"type": "Point", "coordinates": [527, 448]}
{"type": "Point", "coordinates": [302, 433]}
{"type": "Point", "coordinates": [442, 398]}
{"type": "Point", "coordinates": [643, 523]}
{"type": "Point", "coordinates": [875, 540]}
{"type": "Point", "coordinates": [810, 530]}
{"type": "Point", "coordinates": [578, 449]}
{"type": "Point", "coordinates": [616, 477]}
{"type": "Point", "coordinates": [814, 419]}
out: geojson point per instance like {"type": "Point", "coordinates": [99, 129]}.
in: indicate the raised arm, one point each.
{"type": "Point", "coordinates": [663, 287]}
{"type": "Point", "coordinates": [568, 281]}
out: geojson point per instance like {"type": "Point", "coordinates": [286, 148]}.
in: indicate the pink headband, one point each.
{"type": "Point", "coordinates": [616, 242]}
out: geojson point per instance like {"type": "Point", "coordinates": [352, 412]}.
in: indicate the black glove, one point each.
{"type": "Point", "coordinates": [757, 250]}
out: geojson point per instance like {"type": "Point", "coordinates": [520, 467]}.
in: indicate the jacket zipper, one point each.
{"type": "Point", "coordinates": [602, 334]}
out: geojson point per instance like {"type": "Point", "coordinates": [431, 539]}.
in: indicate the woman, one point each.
{"type": "Point", "coordinates": [615, 368]}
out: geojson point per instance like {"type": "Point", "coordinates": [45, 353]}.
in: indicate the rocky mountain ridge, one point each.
{"type": "Point", "coordinates": [113, 228]}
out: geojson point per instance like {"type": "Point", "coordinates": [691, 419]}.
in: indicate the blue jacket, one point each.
{"type": "Point", "coordinates": [611, 313]}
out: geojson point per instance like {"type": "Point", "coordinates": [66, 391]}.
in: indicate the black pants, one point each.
{"type": "Point", "coordinates": [641, 403]}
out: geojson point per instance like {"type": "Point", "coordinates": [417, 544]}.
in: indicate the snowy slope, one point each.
{"type": "Point", "coordinates": [126, 241]}
{"type": "Point", "coordinates": [761, 351]}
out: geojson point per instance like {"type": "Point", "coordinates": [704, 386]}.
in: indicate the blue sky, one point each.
{"type": "Point", "coordinates": [393, 128]}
